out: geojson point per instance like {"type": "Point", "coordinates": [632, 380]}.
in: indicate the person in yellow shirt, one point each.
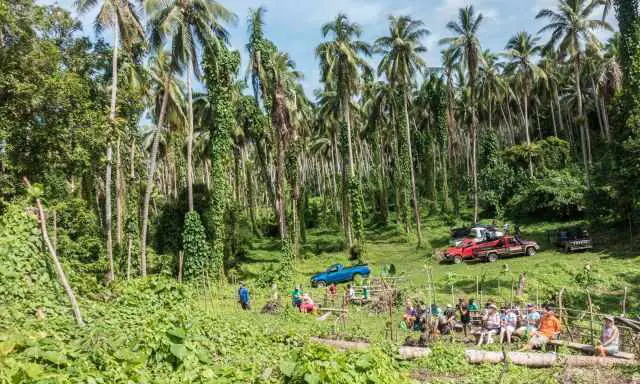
{"type": "Point", "coordinates": [549, 329]}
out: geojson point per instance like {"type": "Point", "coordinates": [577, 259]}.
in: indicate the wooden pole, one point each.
{"type": "Point", "coordinates": [593, 339]}
{"type": "Point", "coordinates": [624, 303]}
{"type": "Point", "coordinates": [561, 313]}
{"type": "Point", "coordinates": [453, 299]}
{"type": "Point", "coordinates": [537, 295]}
{"type": "Point", "coordinates": [477, 285]}
{"type": "Point", "coordinates": [56, 262]}
{"type": "Point", "coordinates": [429, 286]}
{"type": "Point", "coordinates": [513, 283]}
{"type": "Point", "coordinates": [180, 264]}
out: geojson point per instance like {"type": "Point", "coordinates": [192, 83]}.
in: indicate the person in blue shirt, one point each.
{"type": "Point", "coordinates": [243, 294]}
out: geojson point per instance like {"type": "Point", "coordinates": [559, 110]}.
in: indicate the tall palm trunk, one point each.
{"type": "Point", "coordinates": [581, 121]}
{"type": "Point", "coordinates": [279, 121]}
{"type": "Point", "coordinates": [414, 195]}
{"type": "Point", "coordinates": [190, 138]}
{"type": "Point", "coordinates": [351, 171]}
{"type": "Point", "coordinates": [553, 117]}
{"type": "Point", "coordinates": [526, 127]}
{"type": "Point", "coordinates": [557, 98]}
{"type": "Point", "coordinates": [150, 175]}
{"type": "Point", "coordinates": [120, 196]}
{"type": "Point", "coordinates": [112, 118]}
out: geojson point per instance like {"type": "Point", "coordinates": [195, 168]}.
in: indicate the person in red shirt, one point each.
{"type": "Point", "coordinates": [549, 329]}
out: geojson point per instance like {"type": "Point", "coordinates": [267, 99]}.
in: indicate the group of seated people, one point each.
{"type": "Point", "coordinates": [303, 301]}
{"type": "Point", "coordinates": [537, 326]}
{"type": "Point", "coordinates": [305, 304]}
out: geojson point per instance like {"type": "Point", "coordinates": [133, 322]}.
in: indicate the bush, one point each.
{"type": "Point", "coordinates": [560, 194]}
{"type": "Point", "coordinates": [197, 251]}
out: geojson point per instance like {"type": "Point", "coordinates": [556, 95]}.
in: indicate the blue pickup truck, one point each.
{"type": "Point", "coordinates": [337, 273]}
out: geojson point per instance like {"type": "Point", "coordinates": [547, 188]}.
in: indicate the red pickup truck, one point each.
{"type": "Point", "coordinates": [465, 250]}
{"type": "Point", "coordinates": [506, 247]}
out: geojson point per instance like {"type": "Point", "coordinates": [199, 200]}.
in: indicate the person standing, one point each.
{"type": "Point", "coordinates": [243, 295]}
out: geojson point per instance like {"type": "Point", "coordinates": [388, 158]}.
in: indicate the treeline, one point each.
{"type": "Point", "coordinates": [136, 165]}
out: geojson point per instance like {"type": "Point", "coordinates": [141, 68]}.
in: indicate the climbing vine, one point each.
{"type": "Point", "coordinates": [220, 67]}
{"type": "Point", "coordinates": [196, 249]}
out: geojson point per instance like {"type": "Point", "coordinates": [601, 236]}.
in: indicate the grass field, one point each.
{"type": "Point", "coordinates": [603, 272]}
{"type": "Point", "coordinates": [156, 331]}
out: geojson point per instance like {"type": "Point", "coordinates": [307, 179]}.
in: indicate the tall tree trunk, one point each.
{"type": "Point", "coordinates": [351, 172]}
{"type": "Point", "coordinates": [56, 262]}
{"type": "Point", "coordinates": [414, 195]}
{"type": "Point", "coordinates": [120, 196]}
{"type": "Point", "coordinates": [279, 122]}
{"type": "Point", "coordinates": [557, 98]}
{"type": "Point", "coordinates": [553, 117]}
{"type": "Point", "coordinates": [150, 178]}
{"type": "Point", "coordinates": [605, 119]}
{"type": "Point", "coordinates": [526, 127]}
{"type": "Point", "coordinates": [112, 119]}
{"type": "Point", "coordinates": [107, 215]}
{"type": "Point", "coordinates": [581, 121]}
{"type": "Point", "coordinates": [596, 101]}
{"type": "Point", "coordinates": [190, 137]}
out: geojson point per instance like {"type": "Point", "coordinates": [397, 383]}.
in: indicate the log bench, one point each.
{"type": "Point", "coordinates": [587, 348]}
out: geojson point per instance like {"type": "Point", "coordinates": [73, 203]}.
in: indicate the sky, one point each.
{"type": "Point", "coordinates": [294, 25]}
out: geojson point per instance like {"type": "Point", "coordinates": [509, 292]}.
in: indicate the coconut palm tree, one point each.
{"type": "Point", "coordinates": [187, 24]}
{"type": "Point", "coordinates": [400, 63]}
{"type": "Point", "coordinates": [122, 18]}
{"type": "Point", "coordinates": [467, 45]}
{"type": "Point", "coordinates": [521, 50]}
{"type": "Point", "coordinates": [341, 65]}
{"type": "Point", "coordinates": [572, 30]}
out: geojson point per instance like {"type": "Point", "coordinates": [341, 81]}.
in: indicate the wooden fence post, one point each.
{"type": "Point", "coordinates": [593, 339]}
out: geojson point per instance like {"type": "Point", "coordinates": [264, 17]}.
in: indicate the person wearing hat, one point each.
{"type": "Point", "coordinates": [243, 296]}
{"type": "Point", "coordinates": [549, 329]}
{"type": "Point", "coordinates": [491, 325]}
{"type": "Point", "coordinates": [509, 321]}
{"type": "Point", "coordinates": [610, 339]}
{"type": "Point", "coordinates": [446, 320]}
{"type": "Point", "coordinates": [531, 321]}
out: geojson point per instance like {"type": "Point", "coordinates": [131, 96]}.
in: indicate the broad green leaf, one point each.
{"type": "Point", "coordinates": [179, 351]}
{"type": "Point", "coordinates": [287, 367]}
{"type": "Point", "coordinates": [179, 333]}
{"type": "Point", "coordinates": [34, 371]}
{"type": "Point", "coordinates": [55, 357]}
{"type": "Point", "coordinates": [312, 378]}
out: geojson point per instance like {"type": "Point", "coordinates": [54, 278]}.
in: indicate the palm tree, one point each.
{"type": "Point", "coordinates": [521, 49]}
{"type": "Point", "coordinates": [341, 65]}
{"type": "Point", "coordinates": [187, 23]}
{"type": "Point", "coordinates": [467, 45]}
{"type": "Point", "coordinates": [121, 16]}
{"type": "Point", "coordinates": [400, 62]}
{"type": "Point", "coordinates": [571, 31]}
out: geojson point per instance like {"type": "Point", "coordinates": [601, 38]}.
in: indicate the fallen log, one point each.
{"type": "Point", "coordinates": [544, 360]}
{"type": "Point", "coordinates": [404, 351]}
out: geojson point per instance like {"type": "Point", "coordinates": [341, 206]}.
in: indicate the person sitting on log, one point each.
{"type": "Point", "coordinates": [308, 306]}
{"type": "Point", "coordinates": [465, 318]}
{"type": "Point", "coordinates": [508, 324]}
{"type": "Point", "coordinates": [610, 339]}
{"type": "Point", "coordinates": [531, 321]}
{"type": "Point", "coordinates": [409, 316]}
{"type": "Point", "coordinates": [446, 320]}
{"type": "Point", "coordinates": [332, 292]}
{"type": "Point", "coordinates": [549, 329]}
{"type": "Point", "coordinates": [491, 325]}
{"type": "Point", "coordinates": [296, 296]}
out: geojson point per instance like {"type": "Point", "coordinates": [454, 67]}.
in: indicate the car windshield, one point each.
{"type": "Point", "coordinates": [475, 233]}
{"type": "Point", "coordinates": [333, 268]}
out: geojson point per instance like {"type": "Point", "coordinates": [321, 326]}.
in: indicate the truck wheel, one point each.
{"type": "Point", "coordinates": [321, 283]}
{"type": "Point", "coordinates": [492, 257]}
{"type": "Point", "coordinates": [531, 251]}
{"type": "Point", "coordinates": [457, 260]}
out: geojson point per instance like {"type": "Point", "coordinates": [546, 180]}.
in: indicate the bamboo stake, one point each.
{"type": "Point", "coordinates": [624, 303]}
{"type": "Point", "coordinates": [563, 317]}
{"type": "Point", "coordinates": [477, 285]}
{"type": "Point", "coordinates": [56, 262]}
{"type": "Point", "coordinates": [513, 282]}
{"type": "Point", "coordinates": [593, 340]}
{"type": "Point", "coordinates": [180, 264]}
